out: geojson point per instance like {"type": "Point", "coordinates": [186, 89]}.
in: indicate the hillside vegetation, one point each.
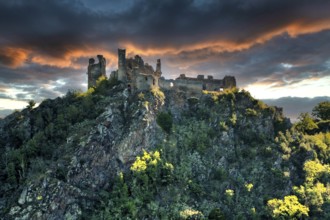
{"type": "Point", "coordinates": [109, 154]}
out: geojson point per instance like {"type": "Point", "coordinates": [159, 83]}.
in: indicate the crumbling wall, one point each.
{"type": "Point", "coordinates": [96, 70]}
{"type": "Point", "coordinates": [145, 82]}
{"type": "Point", "coordinates": [201, 83]}
{"type": "Point", "coordinates": [165, 83]}
{"type": "Point", "coordinates": [189, 84]}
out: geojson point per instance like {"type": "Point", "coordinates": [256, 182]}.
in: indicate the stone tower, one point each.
{"type": "Point", "coordinates": [102, 63]}
{"type": "Point", "coordinates": [122, 65]}
{"type": "Point", "coordinates": [229, 82]}
{"type": "Point", "coordinates": [95, 70]}
{"type": "Point", "coordinates": [158, 67]}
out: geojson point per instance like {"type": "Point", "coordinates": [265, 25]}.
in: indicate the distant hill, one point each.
{"type": "Point", "coordinates": [293, 106]}
{"type": "Point", "coordinates": [5, 112]}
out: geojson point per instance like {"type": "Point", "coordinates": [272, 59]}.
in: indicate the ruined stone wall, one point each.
{"type": "Point", "coordinates": [199, 83]}
{"type": "Point", "coordinates": [165, 83]}
{"type": "Point", "coordinates": [140, 75]}
{"type": "Point", "coordinates": [113, 75]}
{"type": "Point", "coordinates": [189, 84]}
{"type": "Point", "coordinates": [145, 82]}
{"type": "Point", "coordinates": [96, 70]}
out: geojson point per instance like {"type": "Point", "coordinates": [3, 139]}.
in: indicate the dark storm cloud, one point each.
{"type": "Point", "coordinates": [283, 60]}
{"type": "Point", "coordinates": [45, 44]}
{"type": "Point", "coordinates": [34, 73]}
{"type": "Point", "coordinates": [39, 82]}
{"type": "Point", "coordinates": [55, 27]}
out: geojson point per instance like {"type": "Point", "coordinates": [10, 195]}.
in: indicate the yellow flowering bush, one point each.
{"type": "Point", "coordinates": [146, 160]}
{"type": "Point", "coordinates": [288, 207]}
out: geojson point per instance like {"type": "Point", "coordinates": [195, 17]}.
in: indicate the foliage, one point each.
{"type": "Point", "coordinates": [165, 121]}
{"type": "Point", "coordinates": [158, 94]}
{"type": "Point", "coordinates": [322, 110]}
{"type": "Point", "coordinates": [148, 159]}
{"type": "Point", "coordinates": [250, 112]}
{"type": "Point", "coordinates": [261, 105]}
{"type": "Point", "coordinates": [49, 126]}
{"type": "Point", "coordinates": [223, 126]}
{"type": "Point", "coordinates": [217, 160]}
{"type": "Point", "coordinates": [248, 186]}
{"type": "Point", "coordinates": [31, 104]}
{"type": "Point", "coordinates": [103, 85]}
{"type": "Point", "coordinates": [193, 101]}
{"type": "Point", "coordinates": [216, 214]}
{"type": "Point", "coordinates": [229, 193]}
{"type": "Point", "coordinates": [233, 119]}
{"type": "Point", "coordinates": [191, 214]}
{"type": "Point", "coordinates": [314, 170]}
{"type": "Point", "coordinates": [141, 96]}
{"type": "Point", "coordinates": [133, 194]}
{"type": "Point", "coordinates": [306, 123]}
{"type": "Point", "coordinates": [287, 208]}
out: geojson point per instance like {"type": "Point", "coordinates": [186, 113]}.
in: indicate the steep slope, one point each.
{"type": "Point", "coordinates": [108, 154]}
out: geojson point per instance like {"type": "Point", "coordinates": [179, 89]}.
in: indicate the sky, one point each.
{"type": "Point", "coordinates": [274, 48]}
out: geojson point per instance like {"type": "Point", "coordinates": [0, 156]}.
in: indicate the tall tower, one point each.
{"type": "Point", "coordinates": [102, 64]}
{"type": "Point", "coordinates": [122, 65]}
{"type": "Point", "coordinates": [158, 67]}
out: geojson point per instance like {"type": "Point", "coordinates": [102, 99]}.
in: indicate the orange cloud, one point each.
{"type": "Point", "coordinates": [194, 52]}
{"type": "Point", "coordinates": [69, 58]}
{"type": "Point", "coordinates": [13, 57]}
{"type": "Point", "coordinates": [294, 29]}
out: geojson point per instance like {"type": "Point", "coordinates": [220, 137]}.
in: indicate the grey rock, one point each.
{"type": "Point", "coordinates": [22, 198]}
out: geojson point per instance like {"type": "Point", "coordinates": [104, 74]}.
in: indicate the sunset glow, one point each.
{"type": "Point", "coordinates": [44, 50]}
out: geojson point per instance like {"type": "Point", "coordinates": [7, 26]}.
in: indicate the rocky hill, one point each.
{"type": "Point", "coordinates": [172, 154]}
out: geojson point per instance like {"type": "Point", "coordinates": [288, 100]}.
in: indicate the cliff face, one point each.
{"type": "Point", "coordinates": [68, 158]}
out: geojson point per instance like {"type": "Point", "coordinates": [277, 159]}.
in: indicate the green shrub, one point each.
{"type": "Point", "coordinates": [322, 110]}
{"type": "Point", "coordinates": [165, 121]}
{"type": "Point", "coordinates": [141, 96]}
{"type": "Point", "coordinates": [305, 123]}
{"type": "Point", "coordinates": [216, 214]}
{"type": "Point", "coordinates": [223, 126]}
{"type": "Point", "coordinates": [103, 85]}
{"type": "Point", "coordinates": [250, 112]}
{"type": "Point", "coordinates": [261, 105]}
{"type": "Point", "coordinates": [193, 101]}
{"type": "Point", "coordinates": [233, 119]}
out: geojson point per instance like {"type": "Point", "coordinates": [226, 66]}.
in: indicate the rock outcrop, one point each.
{"type": "Point", "coordinates": [221, 130]}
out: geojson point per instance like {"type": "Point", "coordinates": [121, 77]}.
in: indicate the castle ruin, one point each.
{"type": "Point", "coordinates": [95, 70]}
{"type": "Point", "coordinates": [135, 73]}
{"type": "Point", "coordinates": [138, 76]}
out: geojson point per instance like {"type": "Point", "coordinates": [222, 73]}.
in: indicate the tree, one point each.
{"type": "Point", "coordinates": [305, 123]}
{"type": "Point", "coordinates": [31, 104]}
{"type": "Point", "coordinates": [165, 121]}
{"type": "Point", "coordinates": [322, 110]}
